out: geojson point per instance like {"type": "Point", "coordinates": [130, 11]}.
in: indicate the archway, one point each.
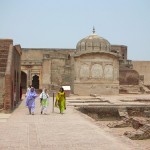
{"type": "Point", "coordinates": [35, 82]}
{"type": "Point", "coordinates": [23, 80]}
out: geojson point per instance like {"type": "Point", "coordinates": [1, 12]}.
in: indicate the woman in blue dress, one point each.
{"type": "Point", "coordinates": [30, 100]}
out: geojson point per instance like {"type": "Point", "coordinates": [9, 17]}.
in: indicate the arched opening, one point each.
{"type": "Point", "coordinates": [23, 80]}
{"type": "Point", "coordinates": [35, 82]}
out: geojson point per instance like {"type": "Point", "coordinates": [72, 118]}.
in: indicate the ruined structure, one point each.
{"type": "Point", "coordinates": [49, 68]}
{"type": "Point", "coordinates": [94, 67]}
{"type": "Point", "coordinates": [10, 68]}
{"type": "Point", "coordinates": [140, 124]}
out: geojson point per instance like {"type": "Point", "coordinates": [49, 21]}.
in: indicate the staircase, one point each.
{"type": "Point", "coordinates": [4, 48]}
{"type": "Point", "coordinates": [3, 62]}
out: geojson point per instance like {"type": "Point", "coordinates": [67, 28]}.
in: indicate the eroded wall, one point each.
{"type": "Point", "coordinates": [143, 68]}
{"type": "Point", "coordinates": [96, 74]}
{"type": "Point", "coordinates": [52, 66]}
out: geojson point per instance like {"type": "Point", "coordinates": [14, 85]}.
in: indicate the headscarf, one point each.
{"type": "Point", "coordinates": [61, 93]}
{"type": "Point", "coordinates": [44, 94]}
{"type": "Point", "coordinates": [31, 94]}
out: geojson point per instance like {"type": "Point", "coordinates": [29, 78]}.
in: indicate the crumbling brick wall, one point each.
{"type": "Point", "coordinates": [10, 71]}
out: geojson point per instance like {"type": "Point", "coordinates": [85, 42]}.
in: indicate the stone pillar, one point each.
{"type": "Point", "coordinates": [29, 77]}
{"type": "Point", "coordinates": [46, 73]}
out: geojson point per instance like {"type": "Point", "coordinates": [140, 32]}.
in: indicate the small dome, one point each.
{"type": "Point", "coordinates": [93, 43]}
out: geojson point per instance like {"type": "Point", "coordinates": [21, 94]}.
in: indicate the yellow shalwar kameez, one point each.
{"type": "Point", "coordinates": [61, 101]}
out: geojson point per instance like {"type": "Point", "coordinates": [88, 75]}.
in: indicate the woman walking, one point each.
{"type": "Point", "coordinates": [30, 100]}
{"type": "Point", "coordinates": [44, 97]}
{"type": "Point", "coordinates": [61, 100]}
{"type": "Point", "coordinates": [28, 90]}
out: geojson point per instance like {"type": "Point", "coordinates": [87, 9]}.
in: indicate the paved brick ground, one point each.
{"type": "Point", "coordinates": [70, 131]}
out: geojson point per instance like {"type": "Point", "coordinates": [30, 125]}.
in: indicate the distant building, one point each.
{"type": "Point", "coordinates": [94, 67]}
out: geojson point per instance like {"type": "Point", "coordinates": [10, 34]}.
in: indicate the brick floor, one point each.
{"type": "Point", "coordinates": [70, 131]}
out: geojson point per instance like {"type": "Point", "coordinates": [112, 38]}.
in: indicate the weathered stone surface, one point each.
{"type": "Point", "coordinates": [126, 122]}
{"type": "Point", "coordinates": [147, 113]}
{"type": "Point", "coordinates": [143, 67]}
{"type": "Point", "coordinates": [9, 73]}
{"type": "Point", "coordinates": [52, 66]}
{"type": "Point", "coordinates": [88, 80]}
{"type": "Point", "coordinates": [128, 77]}
{"type": "Point", "coordinates": [140, 134]}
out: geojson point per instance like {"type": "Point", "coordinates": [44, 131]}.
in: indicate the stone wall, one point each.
{"type": "Point", "coordinates": [128, 77]}
{"type": "Point", "coordinates": [128, 81]}
{"type": "Point", "coordinates": [52, 66]}
{"type": "Point", "coordinates": [96, 74]}
{"type": "Point", "coordinates": [143, 68]}
{"type": "Point", "coordinates": [10, 74]}
{"type": "Point", "coordinates": [4, 48]}
{"type": "Point", "coordinates": [121, 49]}
{"type": "Point", "coordinates": [12, 78]}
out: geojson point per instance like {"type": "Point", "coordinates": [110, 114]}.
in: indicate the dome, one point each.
{"type": "Point", "coordinates": [93, 43]}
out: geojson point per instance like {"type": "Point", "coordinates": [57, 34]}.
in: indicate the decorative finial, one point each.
{"type": "Point", "coordinates": [93, 30]}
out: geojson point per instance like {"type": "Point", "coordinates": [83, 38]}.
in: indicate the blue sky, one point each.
{"type": "Point", "coordinates": [62, 23]}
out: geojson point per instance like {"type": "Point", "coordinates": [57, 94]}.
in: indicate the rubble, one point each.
{"type": "Point", "coordinates": [141, 134]}
{"type": "Point", "coordinates": [140, 124]}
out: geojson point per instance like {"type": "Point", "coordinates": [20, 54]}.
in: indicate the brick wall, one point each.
{"type": "Point", "coordinates": [4, 48]}
{"type": "Point", "coordinates": [10, 72]}
{"type": "Point", "coordinates": [128, 77]}
{"type": "Point", "coordinates": [122, 49]}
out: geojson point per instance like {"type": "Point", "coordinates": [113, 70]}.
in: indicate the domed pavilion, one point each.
{"type": "Point", "coordinates": [96, 68]}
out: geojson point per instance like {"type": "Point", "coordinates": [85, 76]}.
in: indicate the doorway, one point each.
{"type": "Point", "coordinates": [35, 82]}
{"type": "Point", "coordinates": [23, 80]}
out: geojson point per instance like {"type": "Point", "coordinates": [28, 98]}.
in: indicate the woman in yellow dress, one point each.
{"type": "Point", "coordinates": [61, 100]}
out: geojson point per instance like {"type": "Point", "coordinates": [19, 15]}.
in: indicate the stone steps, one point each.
{"type": "Point", "coordinates": [3, 60]}
{"type": "Point", "coordinates": [3, 56]}
{"type": "Point", "coordinates": [3, 52]}
{"type": "Point", "coordinates": [2, 64]}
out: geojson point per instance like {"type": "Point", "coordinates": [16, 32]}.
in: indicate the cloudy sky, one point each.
{"type": "Point", "coordinates": [62, 23]}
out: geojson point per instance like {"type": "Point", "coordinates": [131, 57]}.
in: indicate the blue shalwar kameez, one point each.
{"type": "Point", "coordinates": [30, 101]}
